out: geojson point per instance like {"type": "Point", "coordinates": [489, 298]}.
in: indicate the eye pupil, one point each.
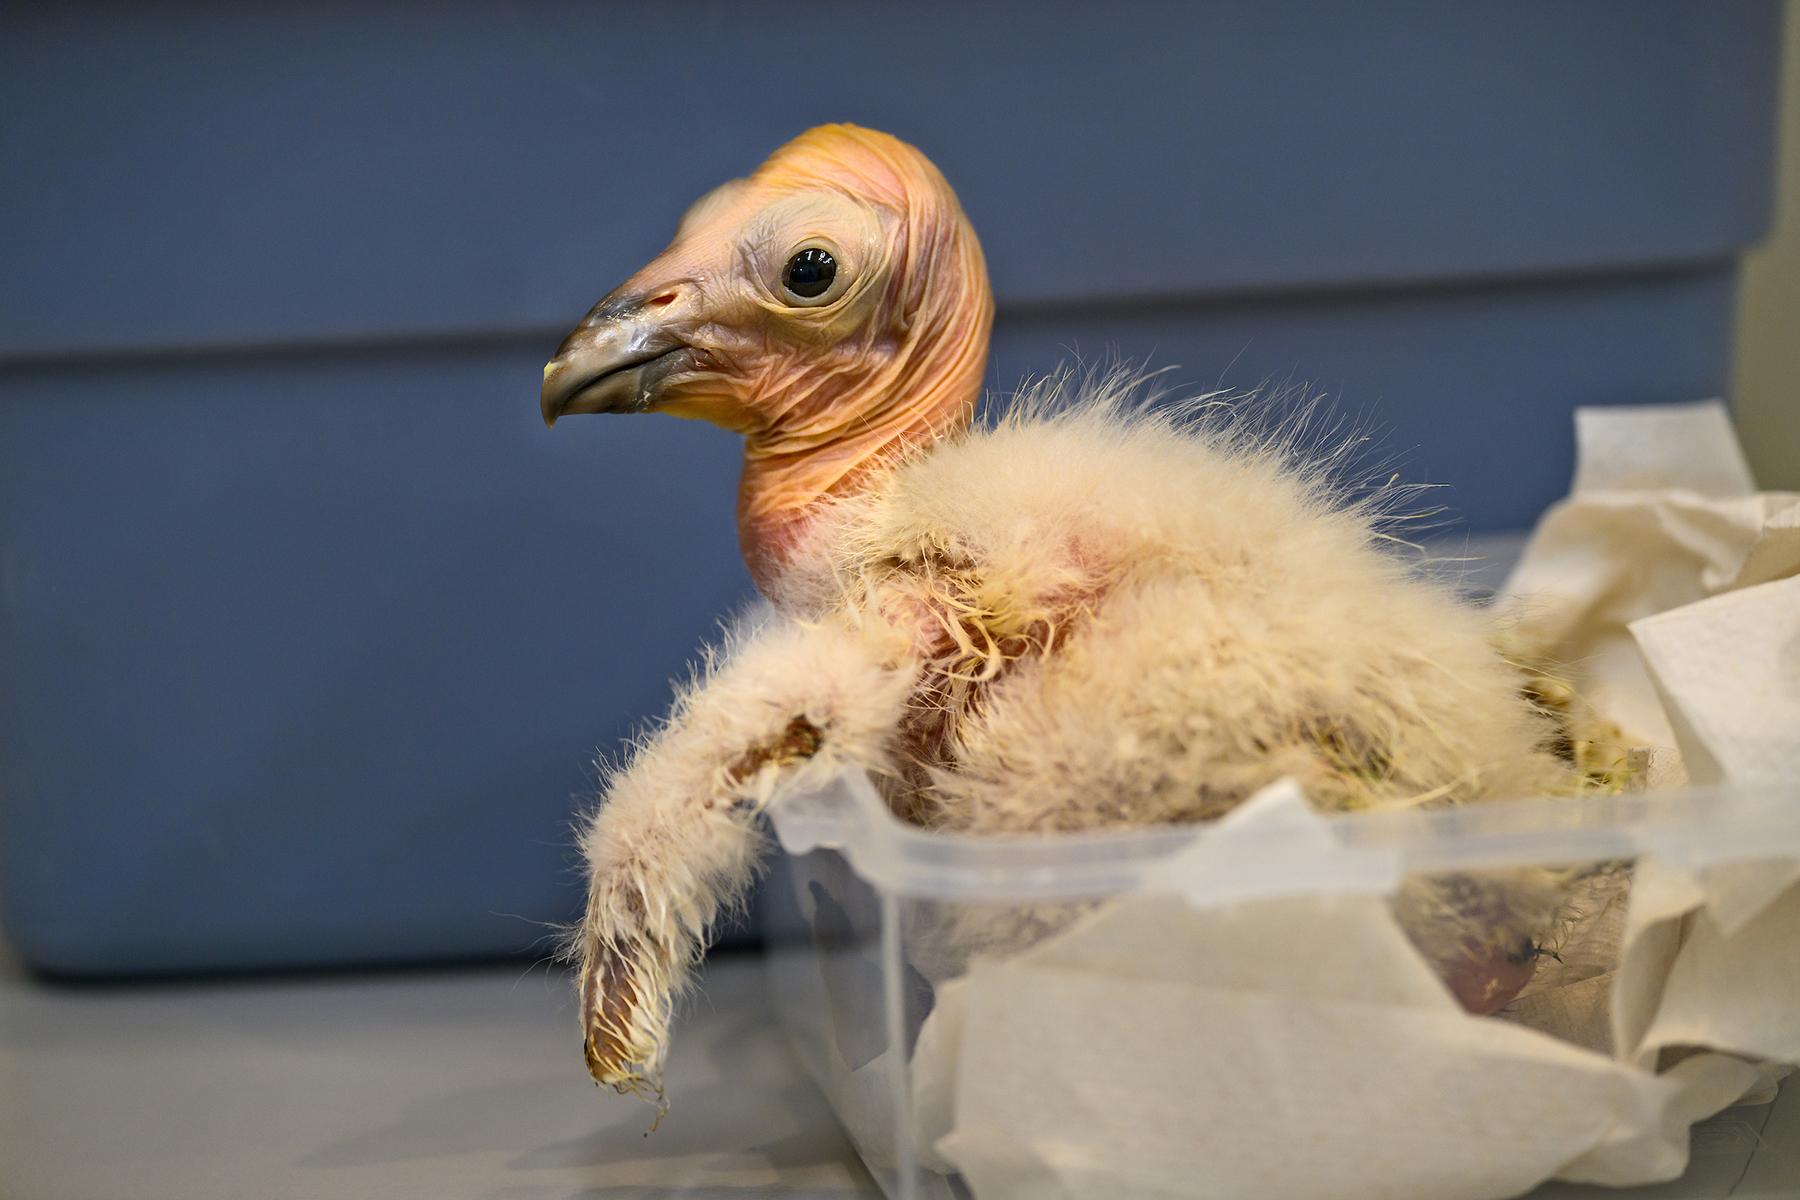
{"type": "Point", "coordinates": [809, 273]}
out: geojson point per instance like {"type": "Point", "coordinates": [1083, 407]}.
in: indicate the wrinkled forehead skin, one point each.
{"type": "Point", "coordinates": [864, 166]}
{"type": "Point", "coordinates": [869, 165]}
{"type": "Point", "coordinates": [881, 203]}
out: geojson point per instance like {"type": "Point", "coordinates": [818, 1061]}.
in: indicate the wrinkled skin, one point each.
{"type": "Point", "coordinates": [891, 355]}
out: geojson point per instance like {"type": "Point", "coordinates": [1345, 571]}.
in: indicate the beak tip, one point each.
{"type": "Point", "coordinates": [546, 404]}
{"type": "Point", "coordinates": [552, 398]}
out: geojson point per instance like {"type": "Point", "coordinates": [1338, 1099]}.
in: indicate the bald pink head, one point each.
{"type": "Point", "coordinates": [833, 307]}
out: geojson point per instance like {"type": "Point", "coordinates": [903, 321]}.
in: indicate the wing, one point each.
{"type": "Point", "coordinates": [676, 841]}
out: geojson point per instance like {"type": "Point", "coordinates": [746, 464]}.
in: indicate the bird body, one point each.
{"type": "Point", "coordinates": [1116, 614]}
{"type": "Point", "coordinates": [1091, 611]}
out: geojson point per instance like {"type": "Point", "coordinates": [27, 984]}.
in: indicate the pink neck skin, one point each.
{"type": "Point", "coordinates": [831, 430]}
{"type": "Point", "coordinates": [780, 494]}
{"type": "Point", "coordinates": [822, 416]}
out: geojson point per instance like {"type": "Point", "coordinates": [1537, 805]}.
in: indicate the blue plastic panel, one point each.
{"type": "Point", "coordinates": [1471, 388]}
{"type": "Point", "coordinates": [306, 659]}
{"type": "Point", "coordinates": [259, 173]}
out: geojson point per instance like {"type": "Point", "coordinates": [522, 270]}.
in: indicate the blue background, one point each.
{"type": "Point", "coordinates": [309, 630]}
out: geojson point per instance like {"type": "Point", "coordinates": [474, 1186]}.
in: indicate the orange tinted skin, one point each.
{"type": "Point", "coordinates": [823, 393]}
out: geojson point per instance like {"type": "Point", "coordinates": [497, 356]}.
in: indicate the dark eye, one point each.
{"type": "Point", "coordinates": [809, 273]}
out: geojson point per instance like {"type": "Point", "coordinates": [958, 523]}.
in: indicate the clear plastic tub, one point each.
{"type": "Point", "coordinates": [1253, 1008]}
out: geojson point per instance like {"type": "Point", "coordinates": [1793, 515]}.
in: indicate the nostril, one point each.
{"type": "Point", "coordinates": [659, 300]}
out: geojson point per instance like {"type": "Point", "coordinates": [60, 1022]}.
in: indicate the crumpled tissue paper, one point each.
{"type": "Point", "coordinates": [1663, 515]}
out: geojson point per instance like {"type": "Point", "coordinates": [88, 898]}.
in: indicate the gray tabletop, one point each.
{"type": "Point", "coordinates": [427, 1084]}
{"type": "Point", "coordinates": [450, 1084]}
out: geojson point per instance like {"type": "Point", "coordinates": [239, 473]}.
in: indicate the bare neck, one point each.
{"type": "Point", "coordinates": [827, 428]}
{"type": "Point", "coordinates": [786, 480]}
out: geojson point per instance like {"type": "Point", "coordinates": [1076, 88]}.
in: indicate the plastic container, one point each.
{"type": "Point", "coordinates": [897, 921]}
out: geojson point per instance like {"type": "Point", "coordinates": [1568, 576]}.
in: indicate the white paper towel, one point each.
{"type": "Point", "coordinates": [1663, 514]}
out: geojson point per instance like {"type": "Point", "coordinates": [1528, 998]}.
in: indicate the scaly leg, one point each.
{"type": "Point", "coordinates": [675, 842]}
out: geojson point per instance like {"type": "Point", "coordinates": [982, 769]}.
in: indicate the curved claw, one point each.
{"type": "Point", "coordinates": [625, 1006]}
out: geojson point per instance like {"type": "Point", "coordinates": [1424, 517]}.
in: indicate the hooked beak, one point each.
{"type": "Point", "coordinates": [616, 361]}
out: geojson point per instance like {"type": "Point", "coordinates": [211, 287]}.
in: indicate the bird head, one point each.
{"type": "Point", "coordinates": [833, 308]}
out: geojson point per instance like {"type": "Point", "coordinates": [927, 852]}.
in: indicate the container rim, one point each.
{"type": "Point", "coordinates": [1693, 828]}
